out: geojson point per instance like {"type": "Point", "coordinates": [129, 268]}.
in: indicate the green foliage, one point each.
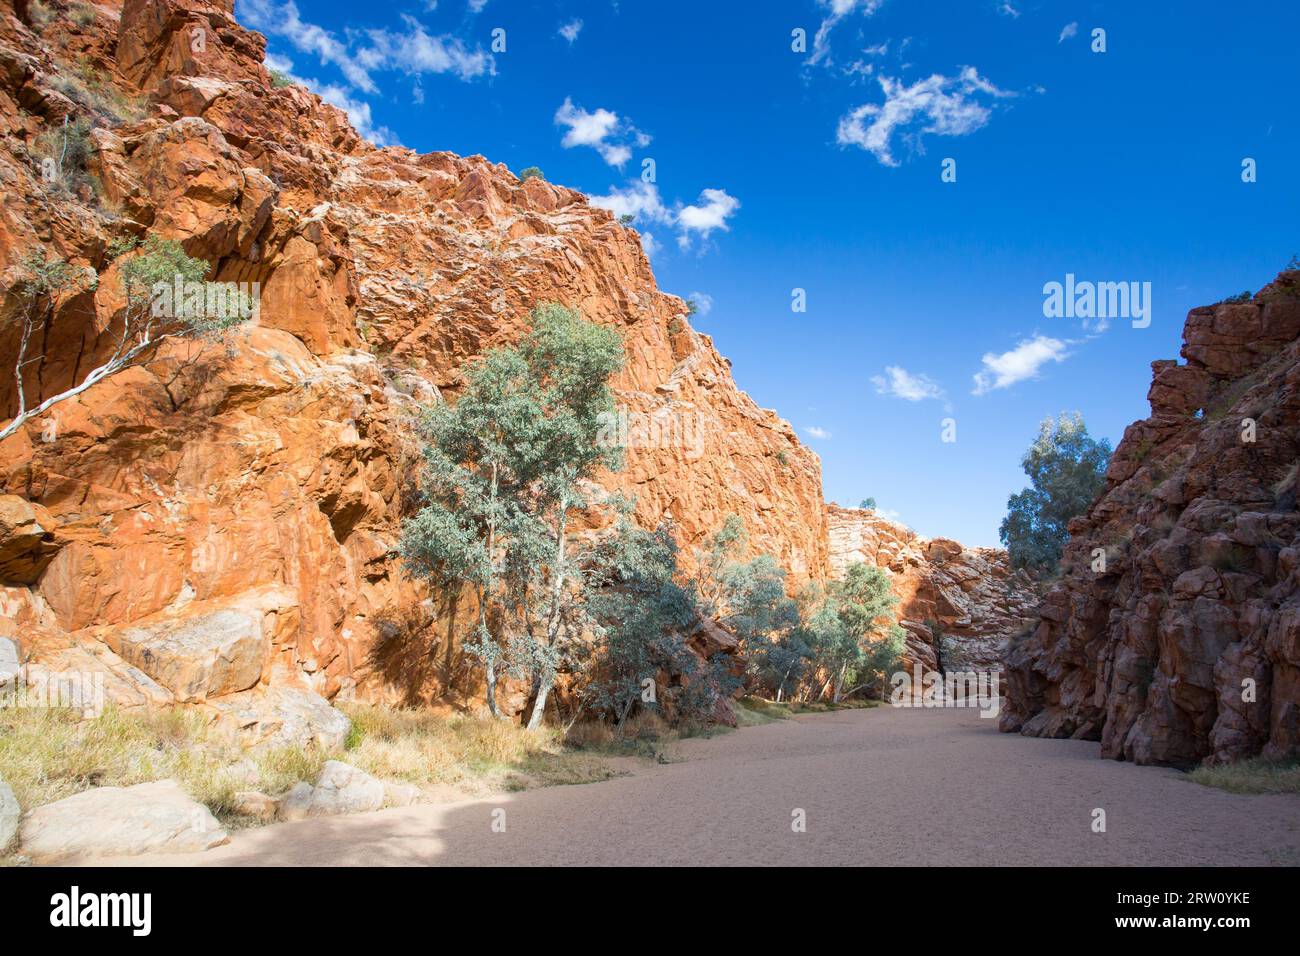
{"type": "Point", "coordinates": [626, 219]}
{"type": "Point", "coordinates": [1239, 299]}
{"type": "Point", "coordinates": [1066, 469]}
{"type": "Point", "coordinates": [65, 149]}
{"type": "Point", "coordinates": [503, 474]}
{"type": "Point", "coordinates": [531, 172]}
{"type": "Point", "coordinates": [280, 79]}
{"type": "Point", "coordinates": [868, 504]}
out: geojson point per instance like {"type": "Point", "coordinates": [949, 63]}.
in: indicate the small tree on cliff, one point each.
{"type": "Point", "coordinates": [1067, 470]}
{"type": "Point", "coordinates": [145, 319]}
{"type": "Point", "coordinates": [503, 475]}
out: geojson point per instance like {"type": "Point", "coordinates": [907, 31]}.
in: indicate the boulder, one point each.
{"type": "Point", "coordinates": [283, 716]}
{"type": "Point", "coordinates": [198, 657]}
{"type": "Point", "coordinates": [155, 817]}
{"type": "Point", "coordinates": [340, 789]}
{"type": "Point", "coordinates": [256, 805]}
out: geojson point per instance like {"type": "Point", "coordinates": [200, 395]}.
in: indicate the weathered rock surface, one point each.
{"type": "Point", "coordinates": [1184, 645]}
{"type": "Point", "coordinates": [27, 542]}
{"type": "Point", "coordinates": [340, 789]}
{"type": "Point", "coordinates": [281, 716]}
{"type": "Point", "coordinates": [967, 598]}
{"type": "Point", "coordinates": [180, 487]}
{"type": "Point", "coordinates": [153, 817]}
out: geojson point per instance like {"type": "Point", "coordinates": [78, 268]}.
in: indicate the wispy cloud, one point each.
{"type": "Point", "coordinates": [1067, 31]}
{"type": "Point", "coordinates": [942, 105]}
{"type": "Point", "coordinates": [571, 30]}
{"type": "Point", "coordinates": [836, 10]}
{"type": "Point", "coordinates": [815, 431]}
{"type": "Point", "coordinates": [901, 383]}
{"type": "Point", "coordinates": [642, 200]}
{"type": "Point", "coordinates": [600, 129]}
{"type": "Point", "coordinates": [703, 302]}
{"type": "Point", "coordinates": [1007, 9]}
{"type": "Point", "coordinates": [284, 20]}
{"type": "Point", "coordinates": [1020, 363]}
{"type": "Point", "coordinates": [415, 50]}
{"type": "Point", "coordinates": [411, 50]}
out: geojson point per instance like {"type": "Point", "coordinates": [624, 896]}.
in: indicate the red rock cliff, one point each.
{"type": "Point", "coordinates": [254, 495]}
{"type": "Point", "coordinates": [1185, 644]}
{"type": "Point", "coordinates": [969, 598]}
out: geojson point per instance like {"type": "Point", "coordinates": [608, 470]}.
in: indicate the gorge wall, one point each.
{"type": "Point", "coordinates": [960, 606]}
{"type": "Point", "coordinates": [1183, 644]}
{"type": "Point", "coordinates": [219, 528]}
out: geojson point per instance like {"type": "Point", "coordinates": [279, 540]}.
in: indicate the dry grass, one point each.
{"type": "Point", "coordinates": [49, 754]}
{"type": "Point", "coordinates": [1256, 775]}
{"type": "Point", "coordinates": [422, 747]}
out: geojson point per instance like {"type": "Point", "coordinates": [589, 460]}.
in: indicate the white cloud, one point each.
{"type": "Point", "coordinates": [947, 106]}
{"type": "Point", "coordinates": [639, 199]}
{"type": "Point", "coordinates": [715, 209]}
{"type": "Point", "coordinates": [571, 30]}
{"type": "Point", "coordinates": [1067, 31]}
{"type": "Point", "coordinates": [475, 6]}
{"type": "Point", "coordinates": [284, 20]}
{"type": "Point", "coordinates": [417, 51]}
{"type": "Point", "coordinates": [650, 244]}
{"type": "Point", "coordinates": [412, 51]}
{"type": "Point", "coordinates": [602, 130]}
{"type": "Point", "coordinates": [901, 383]}
{"type": "Point", "coordinates": [817, 432]}
{"type": "Point", "coordinates": [837, 10]}
{"type": "Point", "coordinates": [642, 201]}
{"type": "Point", "coordinates": [1007, 10]}
{"type": "Point", "coordinates": [1019, 364]}
{"type": "Point", "coordinates": [703, 302]}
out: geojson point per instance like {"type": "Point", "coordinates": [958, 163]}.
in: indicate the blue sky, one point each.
{"type": "Point", "coordinates": [820, 169]}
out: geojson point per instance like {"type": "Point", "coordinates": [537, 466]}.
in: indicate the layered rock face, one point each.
{"type": "Point", "coordinates": [1173, 635]}
{"type": "Point", "coordinates": [958, 605]}
{"type": "Point", "coordinates": [218, 527]}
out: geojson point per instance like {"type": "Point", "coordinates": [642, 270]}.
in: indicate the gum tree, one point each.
{"type": "Point", "coordinates": [144, 324]}
{"type": "Point", "coordinates": [504, 473]}
{"type": "Point", "coordinates": [1067, 470]}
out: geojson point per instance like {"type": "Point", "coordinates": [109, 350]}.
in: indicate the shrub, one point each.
{"type": "Point", "coordinates": [280, 79]}
{"type": "Point", "coordinates": [531, 172]}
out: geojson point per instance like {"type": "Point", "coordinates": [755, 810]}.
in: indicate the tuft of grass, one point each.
{"type": "Point", "coordinates": [1255, 775]}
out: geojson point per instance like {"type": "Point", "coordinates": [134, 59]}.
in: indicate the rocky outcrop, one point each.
{"type": "Point", "coordinates": [1173, 635]}
{"type": "Point", "coordinates": [959, 605]}
{"type": "Point", "coordinates": [167, 498]}
{"type": "Point", "coordinates": [120, 821]}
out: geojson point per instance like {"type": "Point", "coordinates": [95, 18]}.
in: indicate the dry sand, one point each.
{"type": "Point", "coordinates": [880, 786]}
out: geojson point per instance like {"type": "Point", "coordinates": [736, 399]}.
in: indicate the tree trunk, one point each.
{"type": "Point", "coordinates": [839, 684]}
{"type": "Point", "coordinates": [492, 689]}
{"type": "Point", "coordinates": [539, 705]}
